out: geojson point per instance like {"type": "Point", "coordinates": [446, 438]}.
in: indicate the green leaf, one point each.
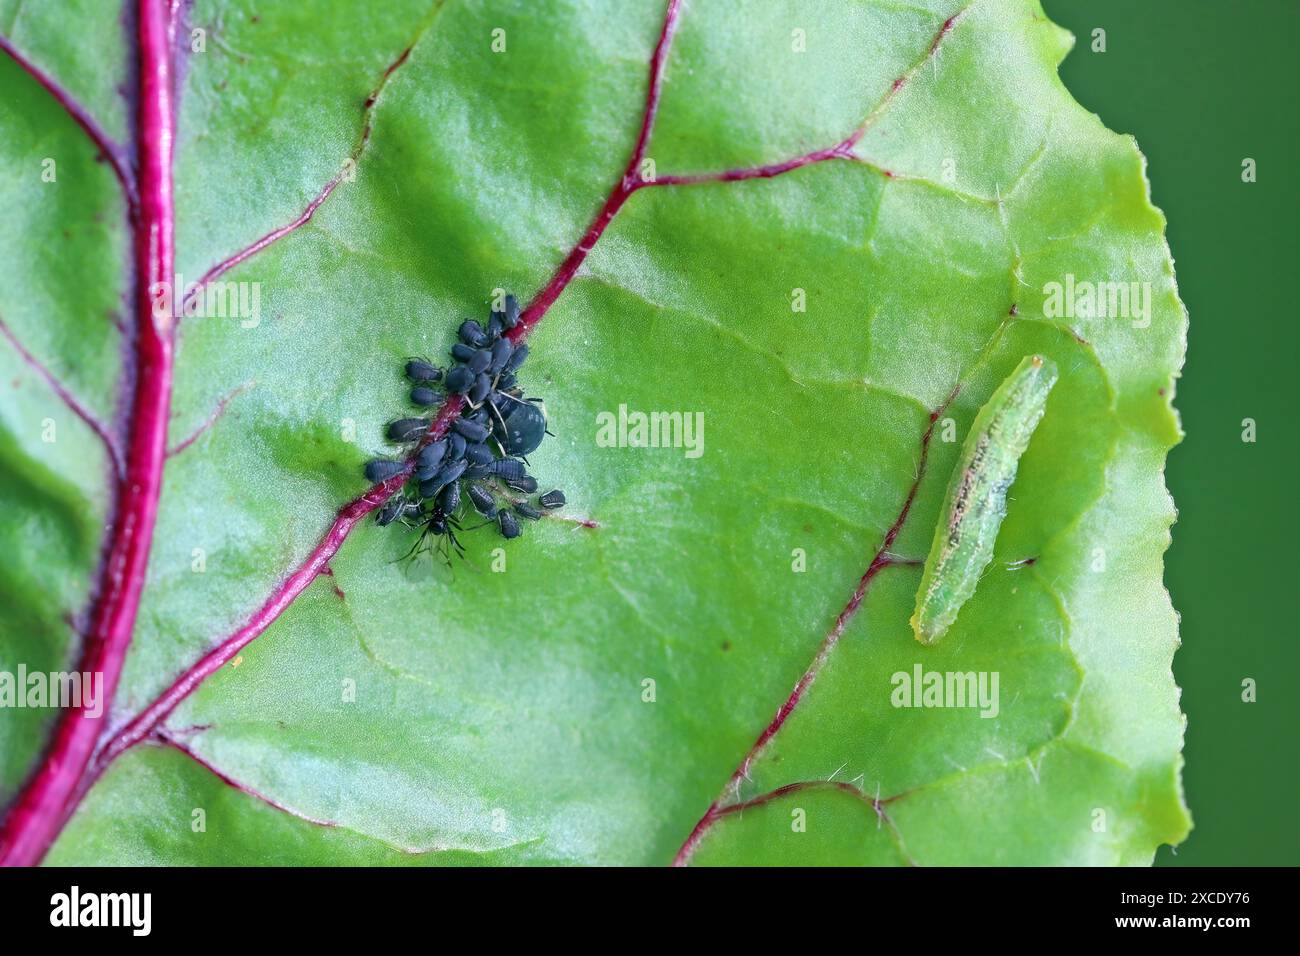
{"type": "Point", "coordinates": [591, 703]}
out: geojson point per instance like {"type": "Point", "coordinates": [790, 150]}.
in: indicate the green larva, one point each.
{"type": "Point", "coordinates": [976, 501]}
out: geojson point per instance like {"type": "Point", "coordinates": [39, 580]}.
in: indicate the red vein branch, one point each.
{"type": "Point", "coordinates": [879, 561]}
{"type": "Point", "coordinates": [110, 150]}
{"type": "Point", "coordinates": [882, 557]}
{"type": "Point", "coordinates": [148, 720]}
{"type": "Point", "coordinates": [42, 807]}
{"type": "Point", "coordinates": [170, 740]}
{"type": "Point", "coordinates": [627, 184]}
{"type": "Point", "coordinates": [74, 404]}
{"type": "Point", "coordinates": [804, 786]}
{"type": "Point", "coordinates": [841, 150]}
{"type": "Point", "coordinates": [275, 235]}
{"type": "Point", "coordinates": [211, 420]}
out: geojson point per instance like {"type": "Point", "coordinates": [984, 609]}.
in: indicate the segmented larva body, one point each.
{"type": "Point", "coordinates": [976, 501]}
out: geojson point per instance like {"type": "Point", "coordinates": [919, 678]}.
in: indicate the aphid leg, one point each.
{"type": "Point", "coordinates": [416, 550]}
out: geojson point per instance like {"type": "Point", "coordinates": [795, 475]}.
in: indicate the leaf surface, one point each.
{"type": "Point", "coordinates": [388, 716]}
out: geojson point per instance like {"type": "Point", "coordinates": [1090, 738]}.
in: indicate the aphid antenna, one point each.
{"type": "Point", "coordinates": [540, 403]}
{"type": "Point", "coordinates": [500, 447]}
{"type": "Point", "coordinates": [497, 412]}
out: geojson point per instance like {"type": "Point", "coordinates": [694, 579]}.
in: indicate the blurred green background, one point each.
{"type": "Point", "coordinates": [1204, 84]}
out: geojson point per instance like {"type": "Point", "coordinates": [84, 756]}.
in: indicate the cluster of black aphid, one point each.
{"type": "Point", "coordinates": [482, 456]}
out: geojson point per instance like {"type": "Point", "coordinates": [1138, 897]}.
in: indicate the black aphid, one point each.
{"type": "Point", "coordinates": [527, 484]}
{"type": "Point", "coordinates": [483, 500]}
{"type": "Point", "coordinates": [389, 513]}
{"type": "Point", "coordinates": [525, 510]}
{"type": "Point", "coordinates": [552, 499]}
{"type": "Point", "coordinates": [445, 476]}
{"type": "Point", "coordinates": [479, 361]}
{"type": "Point", "coordinates": [509, 526]}
{"type": "Point", "coordinates": [511, 317]}
{"type": "Point", "coordinates": [471, 430]}
{"type": "Point", "coordinates": [459, 380]}
{"type": "Point", "coordinates": [396, 507]}
{"type": "Point", "coordinates": [449, 499]}
{"type": "Point", "coordinates": [481, 388]}
{"type": "Point", "coordinates": [509, 469]}
{"type": "Point", "coordinates": [478, 454]}
{"type": "Point", "coordinates": [501, 352]}
{"type": "Point", "coordinates": [442, 526]}
{"type": "Point", "coordinates": [462, 352]}
{"type": "Point", "coordinates": [471, 333]}
{"type": "Point", "coordinates": [381, 469]}
{"type": "Point", "coordinates": [425, 472]}
{"type": "Point", "coordinates": [431, 455]}
{"type": "Point", "coordinates": [478, 471]}
{"type": "Point", "coordinates": [407, 429]}
{"type": "Point", "coordinates": [418, 370]}
{"type": "Point", "coordinates": [517, 358]}
{"type": "Point", "coordinates": [425, 396]}
{"type": "Point", "coordinates": [495, 326]}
